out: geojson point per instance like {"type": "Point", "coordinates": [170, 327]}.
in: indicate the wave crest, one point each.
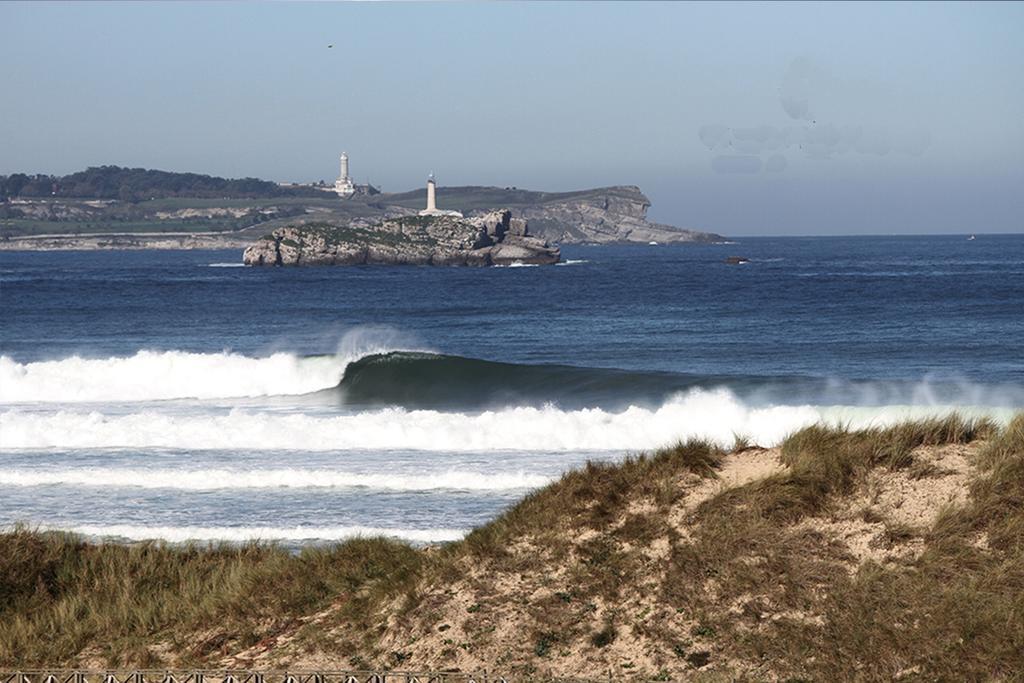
{"type": "Point", "coordinates": [182, 534]}
{"type": "Point", "coordinates": [156, 375]}
{"type": "Point", "coordinates": [221, 478]}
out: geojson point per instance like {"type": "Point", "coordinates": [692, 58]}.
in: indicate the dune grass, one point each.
{"type": "Point", "coordinates": [828, 459]}
{"type": "Point", "coordinates": [61, 597]}
{"type": "Point", "coordinates": [752, 571]}
{"type": "Point", "coordinates": [954, 613]}
{"type": "Point", "coordinates": [591, 496]}
{"type": "Point", "coordinates": [957, 613]}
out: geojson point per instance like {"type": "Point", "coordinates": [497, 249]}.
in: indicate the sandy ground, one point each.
{"type": "Point", "coordinates": [489, 617]}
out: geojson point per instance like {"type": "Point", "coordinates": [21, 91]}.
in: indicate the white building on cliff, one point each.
{"type": "Point", "coordinates": [344, 185]}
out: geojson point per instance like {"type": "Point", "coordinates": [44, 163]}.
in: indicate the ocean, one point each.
{"type": "Point", "coordinates": [179, 396]}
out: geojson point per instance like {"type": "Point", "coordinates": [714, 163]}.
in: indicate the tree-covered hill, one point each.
{"type": "Point", "coordinates": [135, 184]}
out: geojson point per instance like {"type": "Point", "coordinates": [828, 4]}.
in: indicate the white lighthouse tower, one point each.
{"type": "Point", "coordinates": [432, 209]}
{"type": "Point", "coordinates": [344, 185]}
{"type": "Point", "coordinates": [431, 193]}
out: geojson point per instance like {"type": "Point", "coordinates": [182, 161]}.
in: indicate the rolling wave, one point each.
{"type": "Point", "coordinates": [219, 478]}
{"type": "Point", "coordinates": [376, 377]}
{"type": "Point", "coordinates": [716, 415]}
{"type": "Point", "coordinates": [430, 380]}
{"type": "Point", "coordinates": [365, 377]}
{"type": "Point", "coordinates": [241, 534]}
{"type": "Point", "coordinates": [435, 381]}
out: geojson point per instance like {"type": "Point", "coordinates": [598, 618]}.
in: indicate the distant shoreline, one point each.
{"type": "Point", "coordinates": [172, 241]}
{"type": "Point", "coordinates": [47, 217]}
{"type": "Point", "coordinates": [126, 241]}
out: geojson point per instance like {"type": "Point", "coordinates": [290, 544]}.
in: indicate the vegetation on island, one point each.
{"type": "Point", "coordinates": [878, 554]}
{"type": "Point", "coordinates": [358, 234]}
{"type": "Point", "coordinates": [111, 199]}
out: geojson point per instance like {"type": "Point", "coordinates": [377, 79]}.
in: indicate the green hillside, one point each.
{"type": "Point", "coordinates": [473, 197]}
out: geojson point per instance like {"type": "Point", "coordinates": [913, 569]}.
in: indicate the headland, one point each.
{"type": "Point", "coordinates": [110, 207]}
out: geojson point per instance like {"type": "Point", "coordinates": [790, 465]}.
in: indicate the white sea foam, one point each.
{"type": "Point", "coordinates": [164, 375]}
{"type": "Point", "coordinates": [226, 265]}
{"type": "Point", "coordinates": [572, 262]}
{"type": "Point", "coordinates": [159, 375]}
{"type": "Point", "coordinates": [181, 534]}
{"type": "Point", "coordinates": [219, 478]}
{"type": "Point", "coordinates": [717, 415]}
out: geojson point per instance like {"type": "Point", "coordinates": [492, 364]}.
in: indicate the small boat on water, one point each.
{"type": "Point", "coordinates": [970, 238]}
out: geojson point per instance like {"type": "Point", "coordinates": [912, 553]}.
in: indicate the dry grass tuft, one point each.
{"type": "Point", "coordinates": [593, 496]}
{"type": "Point", "coordinates": [789, 591]}
{"type": "Point", "coordinates": [127, 599]}
{"type": "Point", "coordinates": [1003, 444]}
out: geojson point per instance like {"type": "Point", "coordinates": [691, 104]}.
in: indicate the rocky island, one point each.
{"type": "Point", "coordinates": [491, 239]}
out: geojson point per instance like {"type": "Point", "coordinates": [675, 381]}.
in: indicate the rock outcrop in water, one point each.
{"type": "Point", "coordinates": [492, 239]}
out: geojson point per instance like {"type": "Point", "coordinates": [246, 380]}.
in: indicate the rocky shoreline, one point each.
{"type": "Point", "coordinates": [493, 239]}
{"type": "Point", "coordinates": [125, 241]}
{"type": "Point", "coordinates": [612, 215]}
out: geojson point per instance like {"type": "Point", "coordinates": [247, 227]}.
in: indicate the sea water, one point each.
{"type": "Point", "coordinates": [164, 395]}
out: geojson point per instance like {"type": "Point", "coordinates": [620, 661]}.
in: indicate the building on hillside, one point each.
{"type": "Point", "coordinates": [344, 186]}
{"type": "Point", "coordinates": [432, 209]}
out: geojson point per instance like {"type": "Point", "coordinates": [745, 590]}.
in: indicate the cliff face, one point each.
{"type": "Point", "coordinates": [494, 238]}
{"type": "Point", "coordinates": [613, 214]}
{"type": "Point", "coordinates": [596, 216]}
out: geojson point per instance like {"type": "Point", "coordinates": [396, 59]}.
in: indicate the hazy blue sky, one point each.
{"type": "Point", "coordinates": [743, 119]}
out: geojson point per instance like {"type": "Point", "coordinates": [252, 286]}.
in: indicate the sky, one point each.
{"type": "Point", "coordinates": [741, 119]}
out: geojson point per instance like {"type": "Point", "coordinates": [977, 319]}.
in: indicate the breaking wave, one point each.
{"type": "Point", "coordinates": [241, 534]}
{"type": "Point", "coordinates": [160, 375]}
{"type": "Point", "coordinates": [221, 478]}
{"type": "Point", "coordinates": [717, 415]}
